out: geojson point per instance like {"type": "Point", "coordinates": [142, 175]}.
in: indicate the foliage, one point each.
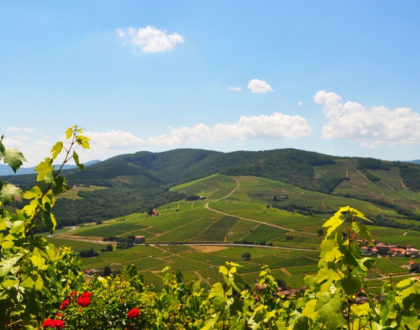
{"type": "Point", "coordinates": [246, 256]}
{"type": "Point", "coordinates": [42, 286]}
{"type": "Point", "coordinates": [88, 253]}
{"type": "Point", "coordinates": [33, 274]}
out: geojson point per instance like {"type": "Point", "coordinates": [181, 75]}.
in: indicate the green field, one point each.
{"type": "Point", "coordinates": [214, 186]}
{"type": "Point", "coordinates": [388, 185]}
{"type": "Point", "coordinates": [73, 193]}
{"type": "Point", "coordinates": [235, 212]}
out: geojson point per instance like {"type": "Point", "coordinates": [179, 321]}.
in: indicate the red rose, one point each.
{"type": "Point", "coordinates": [134, 313]}
{"type": "Point", "coordinates": [73, 293]}
{"type": "Point", "coordinates": [87, 294]}
{"type": "Point", "coordinates": [59, 324]}
{"type": "Point", "coordinates": [64, 304]}
{"type": "Point", "coordinates": [49, 323]}
{"type": "Point", "coordinates": [59, 315]}
{"type": "Point", "coordinates": [83, 301]}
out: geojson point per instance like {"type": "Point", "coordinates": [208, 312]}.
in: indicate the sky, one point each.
{"type": "Point", "coordinates": [336, 77]}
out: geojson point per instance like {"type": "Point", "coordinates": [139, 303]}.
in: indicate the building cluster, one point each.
{"type": "Point", "coordinates": [382, 249]}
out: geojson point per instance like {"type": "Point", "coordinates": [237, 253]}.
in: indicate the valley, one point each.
{"type": "Point", "coordinates": [234, 216]}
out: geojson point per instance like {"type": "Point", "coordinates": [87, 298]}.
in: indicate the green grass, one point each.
{"type": "Point", "coordinates": [73, 193]}
{"type": "Point", "coordinates": [214, 186]}
{"type": "Point", "coordinates": [396, 236]}
{"type": "Point", "coordinates": [106, 230]}
{"type": "Point", "coordinates": [218, 230]}
{"type": "Point", "coordinates": [76, 245]}
{"type": "Point", "coordinates": [387, 266]}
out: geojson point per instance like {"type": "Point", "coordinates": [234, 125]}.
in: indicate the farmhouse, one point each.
{"type": "Point", "coordinates": [413, 267]}
{"type": "Point", "coordinates": [412, 252]}
{"type": "Point", "coordinates": [383, 248]}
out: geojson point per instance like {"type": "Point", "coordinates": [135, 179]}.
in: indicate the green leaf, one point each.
{"type": "Point", "coordinates": [362, 230]}
{"type": "Point", "coordinates": [333, 223]}
{"type": "Point", "coordinates": [218, 296]}
{"type": "Point", "coordinates": [44, 169]}
{"type": "Point", "coordinates": [18, 227]}
{"type": "Point", "coordinates": [2, 148]}
{"type": "Point", "coordinates": [3, 224]}
{"type": "Point", "coordinates": [10, 193]}
{"type": "Point", "coordinates": [60, 185]}
{"type": "Point", "coordinates": [76, 160]}
{"type": "Point", "coordinates": [8, 265]}
{"type": "Point", "coordinates": [83, 141]}
{"type": "Point", "coordinates": [302, 323]}
{"type": "Point", "coordinates": [14, 158]}
{"type": "Point", "coordinates": [69, 133]}
{"type": "Point", "coordinates": [48, 218]}
{"type": "Point", "coordinates": [35, 192]}
{"type": "Point", "coordinates": [39, 283]}
{"type": "Point", "coordinates": [37, 260]}
{"type": "Point", "coordinates": [329, 310]}
{"type": "Point", "coordinates": [56, 149]}
{"type": "Point", "coordinates": [223, 270]}
{"type": "Point", "coordinates": [351, 285]}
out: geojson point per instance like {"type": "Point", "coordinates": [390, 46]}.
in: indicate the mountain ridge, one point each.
{"type": "Point", "coordinates": [140, 181]}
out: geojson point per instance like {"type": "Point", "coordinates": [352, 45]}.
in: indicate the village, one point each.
{"type": "Point", "coordinates": [379, 249]}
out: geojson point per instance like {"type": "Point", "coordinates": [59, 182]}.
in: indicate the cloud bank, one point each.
{"type": "Point", "coordinates": [275, 126]}
{"type": "Point", "coordinates": [150, 39]}
{"type": "Point", "coordinates": [372, 127]}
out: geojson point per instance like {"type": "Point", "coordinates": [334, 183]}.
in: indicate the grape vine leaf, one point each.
{"type": "Point", "coordinates": [14, 158]}
{"type": "Point", "coordinates": [10, 193]}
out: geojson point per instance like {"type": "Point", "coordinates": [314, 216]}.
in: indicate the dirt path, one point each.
{"type": "Point", "coordinates": [73, 238]}
{"type": "Point", "coordinates": [284, 270]}
{"type": "Point", "coordinates": [235, 245]}
{"type": "Point", "coordinates": [257, 221]}
{"type": "Point", "coordinates": [238, 184]}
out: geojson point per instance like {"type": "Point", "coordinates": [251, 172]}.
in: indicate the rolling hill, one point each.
{"type": "Point", "coordinates": [238, 215]}
{"type": "Point", "coordinates": [140, 181]}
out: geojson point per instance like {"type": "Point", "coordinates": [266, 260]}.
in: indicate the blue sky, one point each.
{"type": "Point", "coordinates": [329, 76]}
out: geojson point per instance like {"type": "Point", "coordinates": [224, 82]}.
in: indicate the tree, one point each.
{"type": "Point", "coordinates": [246, 256]}
{"type": "Point", "coordinates": [106, 271]}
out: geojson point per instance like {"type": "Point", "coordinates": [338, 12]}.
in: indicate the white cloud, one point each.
{"type": "Point", "coordinates": [258, 86]}
{"type": "Point", "coordinates": [150, 39]}
{"type": "Point", "coordinates": [372, 127]}
{"type": "Point", "coordinates": [20, 129]}
{"type": "Point", "coordinates": [300, 104]}
{"type": "Point", "coordinates": [275, 126]}
{"type": "Point", "coordinates": [10, 142]}
{"type": "Point", "coordinates": [235, 88]}
{"type": "Point", "coordinates": [114, 140]}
